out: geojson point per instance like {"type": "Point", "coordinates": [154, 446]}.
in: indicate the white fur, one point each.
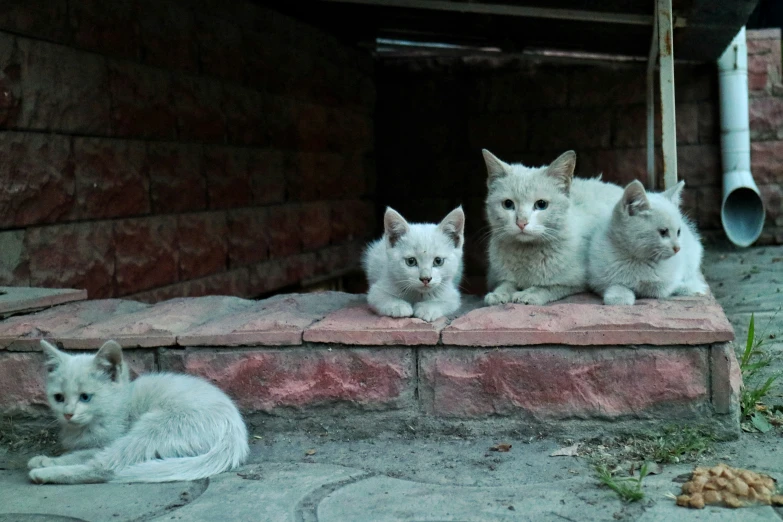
{"type": "Point", "coordinates": [545, 261]}
{"type": "Point", "coordinates": [399, 290]}
{"type": "Point", "coordinates": [159, 428]}
{"type": "Point", "coordinates": [629, 257]}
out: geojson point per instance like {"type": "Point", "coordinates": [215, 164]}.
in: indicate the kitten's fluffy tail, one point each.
{"type": "Point", "coordinates": [227, 455]}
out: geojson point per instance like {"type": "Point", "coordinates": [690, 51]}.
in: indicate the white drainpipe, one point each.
{"type": "Point", "coordinates": [742, 212]}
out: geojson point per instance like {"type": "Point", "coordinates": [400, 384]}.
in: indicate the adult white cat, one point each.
{"type": "Point", "coordinates": [159, 428]}
{"type": "Point", "coordinates": [415, 268]}
{"type": "Point", "coordinates": [540, 221]}
{"type": "Point", "coordinates": [646, 249]}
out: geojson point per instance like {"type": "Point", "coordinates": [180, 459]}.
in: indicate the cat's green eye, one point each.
{"type": "Point", "coordinates": [678, 232]}
{"type": "Point", "coordinates": [410, 261]}
{"type": "Point", "coordinates": [508, 204]}
{"type": "Point", "coordinates": [540, 204]}
{"type": "Point", "coordinates": [85, 397]}
{"type": "Point", "coordinates": [664, 232]}
{"type": "Point", "coordinates": [438, 261]}
{"type": "Point", "coordinates": [59, 397]}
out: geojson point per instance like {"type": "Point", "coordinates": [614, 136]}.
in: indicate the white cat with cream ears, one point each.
{"type": "Point", "coordinates": [415, 268]}
{"type": "Point", "coordinates": [540, 221]}
{"type": "Point", "coordinates": [159, 428]}
{"type": "Point", "coordinates": [646, 249]}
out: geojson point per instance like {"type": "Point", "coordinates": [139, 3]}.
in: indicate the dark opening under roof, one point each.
{"type": "Point", "coordinates": [619, 27]}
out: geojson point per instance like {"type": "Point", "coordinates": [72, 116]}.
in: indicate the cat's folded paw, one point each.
{"type": "Point", "coordinates": [619, 296]}
{"type": "Point", "coordinates": [40, 475]}
{"type": "Point", "coordinates": [401, 309]}
{"type": "Point", "coordinates": [428, 312]}
{"type": "Point", "coordinates": [532, 296]}
{"type": "Point", "coordinates": [40, 461]}
{"type": "Point", "coordinates": [496, 298]}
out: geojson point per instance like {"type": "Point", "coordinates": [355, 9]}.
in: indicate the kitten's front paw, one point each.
{"type": "Point", "coordinates": [427, 311]}
{"type": "Point", "coordinates": [619, 296]}
{"type": "Point", "coordinates": [401, 309]}
{"type": "Point", "coordinates": [40, 475]}
{"type": "Point", "coordinates": [496, 298]}
{"type": "Point", "coordinates": [532, 296]}
{"type": "Point", "coordinates": [40, 461]}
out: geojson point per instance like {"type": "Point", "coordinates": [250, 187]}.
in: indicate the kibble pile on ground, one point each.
{"type": "Point", "coordinates": [730, 487]}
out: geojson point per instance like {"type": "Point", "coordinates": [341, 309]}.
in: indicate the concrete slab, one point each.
{"type": "Point", "coordinates": [14, 299]}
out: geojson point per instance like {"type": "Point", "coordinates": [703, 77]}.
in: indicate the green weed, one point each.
{"type": "Point", "coordinates": [629, 489]}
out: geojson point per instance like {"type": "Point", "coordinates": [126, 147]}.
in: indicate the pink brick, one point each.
{"type": "Point", "coordinates": [203, 244]}
{"type": "Point", "coordinates": [232, 283]}
{"type": "Point", "coordinates": [562, 382]}
{"type": "Point", "coordinates": [198, 102]}
{"type": "Point", "coordinates": [709, 122]}
{"type": "Point", "coordinates": [283, 223]}
{"type": "Point", "coordinates": [300, 268]}
{"type": "Point", "coordinates": [709, 203]}
{"type": "Point", "coordinates": [630, 125]}
{"type": "Point", "coordinates": [41, 18]}
{"type": "Point", "coordinates": [63, 89]}
{"type": "Point", "coordinates": [605, 86]}
{"type": "Point", "coordinates": [220, 47]}
{"type": "Point", "coordinates": [340, 258]}
{"type": "Point", "coordinates": [267, 277]}
{"type": "Point", "coordinates": [766, 117]}
{"type": "Point", "coordinates": [14, 260]}
{"type": "Point", "coordinates": [158, 325]}
{"type": "Point", "coordinates": [314, 176]}
{"type": "Point", "coordinates": [560, 129]}
{"type": "Point", "coordinates": [22, 332]}
{"type": "Point", "coordinates": [767, 161]}
{"type": "Point", "coordinates": [111, 178]}
{"type": "Point", "coordinates": [314, 225]}
{"type": "Point", "coordinates": [279, 320]}
{"type": "Point", "coordinates": [311, 127]}
{"type": "Point", "coordinates": [246, 116]}
{"type": "Point", "coordinates": [699, 165]}
{"type": "Point", "coordinates": [177, 181]}
{"type": "Point", "coordinates": [10, 90]}
{"type": "Point", "coordinates": [773, 202]}
{"type": "Point", "coordinates": [105, 27]}
{"type": "Point", "coordinates": [266, 169]}
{"type": "Point", "coordinates": [359, 325]}
{"type": "Point", "coordinates": [265, 380]}
{"type": "Point", "coordinates": [142, 103]}
{"type": "Point", "coordinates": [248, 236]}
{"type": "Point", "coordinates": [73, 256]}
{"type": "Point", "coordinates": [146, 253]}
{"type": "Point", "coordinates": [36, 179]}
{"type": "Point", "coordinates": [228, 182]}
{"type": "Point", "coordinates": [21, 299]}
{"type": "Point", "coordinates": [691, 320]}
{"type": "Point", "coordinates": [351, 219]}
{"type": "Point", "coordinates": [168, 36]}
{"type": "Point", "coordinates": [726, 379]}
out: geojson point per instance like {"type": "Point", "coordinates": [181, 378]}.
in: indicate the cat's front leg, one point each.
{"type": "Point", "coordinates": [619, 295]}
{"type": "Point", "coordinates": [541, 295]}
{"type": "Point", "coordinates": [74, 474]}
{"type": "Point", "coordinates": [501, 295]}
{"type": "Point", "coordinates": [692, 287]}
{"type": "Point", "coordinates": [445, 304]}
{"type": "Point", "coordinates": [75, 457]}
{"type": "Point", "coordinates": [384, 303]}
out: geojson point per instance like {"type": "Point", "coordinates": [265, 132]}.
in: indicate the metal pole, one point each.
{"type": "Point", "coordinates": [652, 59]}
{"type": "Point", "coordinates": [668, 121]}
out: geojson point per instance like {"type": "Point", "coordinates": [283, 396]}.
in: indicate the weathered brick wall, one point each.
{"type": "Point", "coordinates": [154, 148]}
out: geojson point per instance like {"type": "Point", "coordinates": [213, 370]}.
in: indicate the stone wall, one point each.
{"type": "Point", "coordinates": [178, 148]}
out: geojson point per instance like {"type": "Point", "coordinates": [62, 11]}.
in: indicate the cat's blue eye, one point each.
{"type": "Point", "coordinates": [678, 232]}
{"type": "Point", "coordinates": [438, 261]}
{"type": "Point", "coordinates": [85, 397]}
{"type": "Point", "coordinates": [59, 397]}
{"type": "Point", "coordinates": [540, 204]}
{"type": "Point", "coordinates": [664, 232]}
{"type": "Point", "coordinates": [410, 261]}
{"type": "Point", "coordinates": [508, 204]}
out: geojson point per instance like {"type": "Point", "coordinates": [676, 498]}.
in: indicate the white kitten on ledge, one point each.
{"type": "Point", "coordinates": [159, 428]}
{"type": "Point", "coordinates": [646, 249]}
{"type": "Point", "coordinates": [415, 268]}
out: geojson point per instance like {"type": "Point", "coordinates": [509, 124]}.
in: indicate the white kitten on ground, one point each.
{"type": "Point", "coordinates": [540, 220]}
{"type": "Point", "coordinates": [415, 268]}
{"type": "Point", "coordinates": [159, 428]}
{"type": "Point", "coordinates": [646, 249]}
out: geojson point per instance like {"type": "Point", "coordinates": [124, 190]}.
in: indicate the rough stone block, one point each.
{"type": "Point", "coordinates": [248, 236]}
{"type": "Point", "coordinates": [14, 263]}
{"type": "Point", "coordinates": [63, 89]}
{"type": "Point", "coordinates": [351, 220]}
{"type": "Point", "coordinates": [561, 129]}
{"type": "Point", "coordinates": [266, 169]}
{"type": "Point", "coordinates": [198, 102]}
{"type": "Point", "coordinates": [766, 161]}
{"type": "Point", "coordinates": [766, 118]}
{"type": "Point", "coordinates": [270, 380]}
{"type": "Point", "coordinates": [228, 182]}
{"type": "Point", "coordinates": [559, 382]}
{"type": "Point", "coordinates": [203, 244]}
{"type": "Point", "coordinates": [773, 203]}
{"type": "Point", "coordinates": [358, 325]}
{"type": "Point", "coordinates": [111, 179]}
{"type": "Point", "coordinates": [726, 379]}
{"type": "Point", "coordinates": [41, 18]}
{"type": "Point", "coordinates": [36, 179]}
{"type": "Point", "coordinates": [220, 47]}
{"type": "Point", "coordinates": [681, 321]}
{"type": "Point", "coordinates": [246, 116]}
{"type": "Point", "coordinates": [314, 225]}
{"type": "Point", "coordinates": [146, 253]}
{"type": "Point", "coordinates": [168, 36]}
{"type": "Point", "coordinates": [267, 277]}
{"type": "Point", "coordinates": [142, 104]}
{"type": "Point", "coordinates": [73, 256]}
{"type": "Point", "coordinates": [314, 176]}
{"type": "Point", "coordinates": [606, 86]}
{"type": "Point", "coordinates": [19, 299]}
{"type": "Point", "coordinates": [699, 165]}
{"type": "Point", "coordinates": [10, 88]}
{"type": "Point", "coordinates": [105, 27]}
{"type": "Point", "coordinates": [177, 181]}
{"type": "Point", "coordinates": [279, 320]}
{"type": "Point", "coordinates": [283, 223]}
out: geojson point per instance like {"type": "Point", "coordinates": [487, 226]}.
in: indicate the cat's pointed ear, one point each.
{"type": "Point", "coordinates": [562, 170]}
{"type": "Point", "coordinates": [674, 194]}
{"type": "Point", "coordinates": [394, 225]}
{"type": "Point", "coordinates": [54, 357]}
{"type": "Point", "coordinates": [109, 360]}
{"type": "Point", "coordinates": [453, 226]}
{"type": "Point", "coordinates": [635, 198]}
{"type": "Point", "coordinates": [495, 167]}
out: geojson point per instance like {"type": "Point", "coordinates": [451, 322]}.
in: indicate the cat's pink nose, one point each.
{"type": "Point", "coordinates": [676, 249]}
{"type": "Point", "coordinates": [67, 416]}
{"type": "Point", "coordinates": [425, 280]}
{"type": "Point", "coordinates": [521, 224]}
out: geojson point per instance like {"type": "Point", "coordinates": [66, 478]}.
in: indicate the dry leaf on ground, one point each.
{"type": "Point", "coordinates": [502, 447]}
{"type": "Point", "coordinates": [310, 452]}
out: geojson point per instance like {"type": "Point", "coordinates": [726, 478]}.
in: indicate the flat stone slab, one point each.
{"type": "Point", "coordinates": [277, 321]}
{"type": "Point", "coordinates": [22, 298]}
{"type": "Point", "coordinates": [583, 322]}
{"type": "Point", "coordinates": [359, 325]}
{"type": "Point", "coordinates": [22, 332]}
{"type": "Point", "coordinates": [156, 325]}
